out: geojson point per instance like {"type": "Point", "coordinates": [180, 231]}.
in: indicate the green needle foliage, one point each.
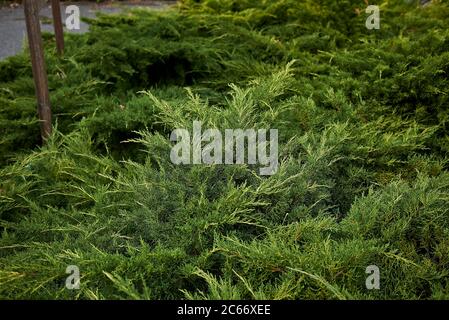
{"type": "Point", "coordinates": [363, 148]}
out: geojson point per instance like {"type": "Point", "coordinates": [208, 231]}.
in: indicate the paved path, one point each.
{"type": "Point", "coordinates": [13, 29]}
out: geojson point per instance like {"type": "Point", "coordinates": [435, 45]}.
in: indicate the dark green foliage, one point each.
{"type": "Point", "coordinates": [363, 131]}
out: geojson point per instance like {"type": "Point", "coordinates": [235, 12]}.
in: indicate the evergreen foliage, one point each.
{"type": "Point", "coordinates": [363, 178]}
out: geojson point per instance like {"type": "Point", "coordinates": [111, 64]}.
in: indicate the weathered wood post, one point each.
{"type": "Point", "coordinates": [31, 8]}
{"type": "Point", "coordinates": [57, 23]}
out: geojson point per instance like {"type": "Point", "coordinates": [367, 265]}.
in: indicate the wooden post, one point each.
{"type": "Point", "coordinates": [31, 8]}
{"type": "Point", "coordinates": [57, 23]}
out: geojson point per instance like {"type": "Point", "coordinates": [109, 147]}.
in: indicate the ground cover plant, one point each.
{"type": "Point", "coordinates": [363, 150]}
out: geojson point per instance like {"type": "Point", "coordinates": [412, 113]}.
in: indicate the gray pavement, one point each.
{"type": "Point", "coordinates": [13, 28]}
